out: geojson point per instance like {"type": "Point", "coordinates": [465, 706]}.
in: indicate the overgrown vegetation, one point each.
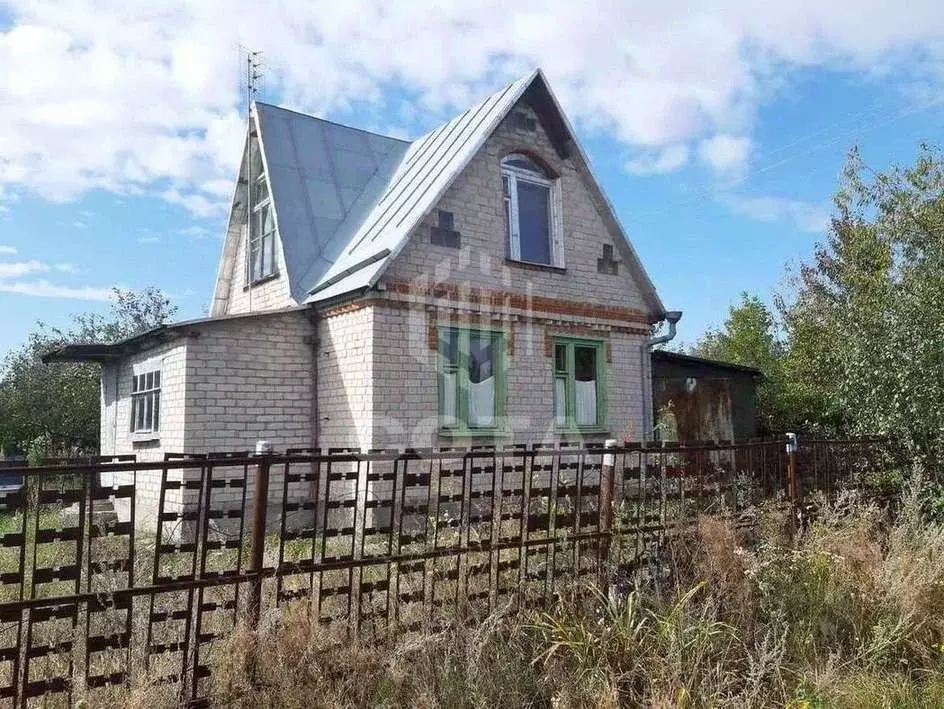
{"type": "Point", "coordinates": [848, 612]}
{"type": "Point", "coordinates": [53, 410]}
{"type": "Point", "coordinates": [852, 345]}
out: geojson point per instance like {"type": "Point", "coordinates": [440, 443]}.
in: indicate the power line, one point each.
{"type": "Point", "coordinates": [879, 122]}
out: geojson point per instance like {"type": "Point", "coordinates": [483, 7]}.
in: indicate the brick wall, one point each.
{"type": "Point", "coordinates": [116, 436]}
{"type": "Point", "coordinates": [230, 383]}
{"type": "Point", "coordinates": [249, 379]}
{"type": "Point", "coordinates": [346, 379]}
{"type": "Point", "coordinates": [405, 410]}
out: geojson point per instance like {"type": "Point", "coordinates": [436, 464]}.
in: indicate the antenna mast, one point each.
{"type": "Point", "coordinates": [253, 75]}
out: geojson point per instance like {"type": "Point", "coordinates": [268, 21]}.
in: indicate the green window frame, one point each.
{"type": "Point", "coordinates": [577, 362]}
{"type": "Point", "coordinates": [467, 359]}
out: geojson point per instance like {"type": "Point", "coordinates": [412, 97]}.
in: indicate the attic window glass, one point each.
{"type": "Point", "coordinates": [261, 263]}
{"type": "Point", "coordinates": [532, 211]}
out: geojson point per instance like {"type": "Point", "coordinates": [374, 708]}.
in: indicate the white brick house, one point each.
{"type": "Point", "coordinates": [470, 287]}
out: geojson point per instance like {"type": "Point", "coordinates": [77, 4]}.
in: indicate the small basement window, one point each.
{"type": "Point", "coordinates": [532, 212]}
{"type": "Point", "coordinates": [146, 402]}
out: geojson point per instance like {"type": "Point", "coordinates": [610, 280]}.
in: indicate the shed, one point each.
{"type": "Point", "coordinates": [698, 399]}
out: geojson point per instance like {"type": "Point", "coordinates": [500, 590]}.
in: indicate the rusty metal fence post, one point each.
{"type": "Point", "coordinates": [607, 483]}
{"type": "Point", "coordinates": [257, 548]}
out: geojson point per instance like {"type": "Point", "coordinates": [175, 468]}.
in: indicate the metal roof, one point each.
{"type": "Point", "coordinates": [426, 171]}
{"type": "Point", "coordinates": [324, 178]}
{"type": "Point", "coordinates": [103, 351]}
{"type": "Point", "coordinates": [692, 360]}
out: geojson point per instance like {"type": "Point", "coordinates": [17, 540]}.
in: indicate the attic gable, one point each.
{"type": "Point", "coordinates": [432, 164]}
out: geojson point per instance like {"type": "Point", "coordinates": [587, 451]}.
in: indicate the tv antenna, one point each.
{"type": "Point", "coordinates": [254, 77]}
{"type": "Point", "coordinates": [255, 74]}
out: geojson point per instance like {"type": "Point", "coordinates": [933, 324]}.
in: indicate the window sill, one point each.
{"type": "Point", "coordinates": [260, 281]}
{"type": "Point", "coordinates": [143, 437]}
{"type": "Point", "coordinates": [535, 266]}
{"type": "Point", "coordinates": [453, 433]}
{"type": "Point", "coordinates": [582, 431]}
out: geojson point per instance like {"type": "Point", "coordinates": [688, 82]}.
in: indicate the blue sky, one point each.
{"type": "Point", "coordinates": [718, 137]}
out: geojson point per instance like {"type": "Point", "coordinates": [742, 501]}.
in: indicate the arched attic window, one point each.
{"type": "Point", "coordinates": [532, 210]}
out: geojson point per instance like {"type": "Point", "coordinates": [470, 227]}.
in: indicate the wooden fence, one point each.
{"type": "Point", "coordinates": [382, 541]}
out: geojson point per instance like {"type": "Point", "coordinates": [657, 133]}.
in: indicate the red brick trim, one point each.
{"type": "Point", "coordinates": [517, 301]}
{"type": "Point", "coordinates": [552, 331]}
{"type": "Point", "coordinates": [503, 318]}
{"type": "Point", "coordinates": [438, 317]}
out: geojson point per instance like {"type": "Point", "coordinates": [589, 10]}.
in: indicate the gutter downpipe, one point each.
{"type": "Point", "coordinates": [672, 317]}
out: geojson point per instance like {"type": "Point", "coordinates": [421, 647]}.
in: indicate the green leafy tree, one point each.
{"type": "Point", "coordinates": [865, 329]}
{"type": "Point", "coordinates": [750, 337]}
{"type": "Point", "coordinates": [56, 406]}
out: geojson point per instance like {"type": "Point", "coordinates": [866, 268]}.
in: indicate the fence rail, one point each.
{"type": "Point", "coordinates": [103, 584]}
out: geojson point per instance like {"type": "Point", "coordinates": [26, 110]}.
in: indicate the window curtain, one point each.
{"type": "Point", "coordinates": [449, 413]}
{"type": "Point", "coordinates": [482, 402]}
{"type": "Point", "coordinates": [586, 402]}
{"type": "Point", "coordinates": [560, 401]}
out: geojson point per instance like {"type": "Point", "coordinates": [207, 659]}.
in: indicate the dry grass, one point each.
{"type": "Point", "coordinates": [847, 613]}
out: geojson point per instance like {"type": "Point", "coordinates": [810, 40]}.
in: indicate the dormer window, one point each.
{"type": "Point", "coordinates": [261, 262]}
{"type": "Point", "coordinates": [532, 211]}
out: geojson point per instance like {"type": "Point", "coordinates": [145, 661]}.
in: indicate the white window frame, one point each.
{"type": "Point", "coordinates": [263, 241]}
{"type": "Point", "coordinates": [146, 401]}
{"type": "Point", "coordinates": [512, 175]}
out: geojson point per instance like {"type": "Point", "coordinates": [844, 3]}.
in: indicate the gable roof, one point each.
{"type": "Point", "coordinates": [346, 201]}
{"type": "Point", "coordinates": [324, 179]}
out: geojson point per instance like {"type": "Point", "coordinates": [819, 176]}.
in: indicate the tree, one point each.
{"type": "Point", "coordinates": [57, 405]}
{"type": "Point", "coordinates": [750, 337]}
{"type": "Point", "coordinates": [865, 330]}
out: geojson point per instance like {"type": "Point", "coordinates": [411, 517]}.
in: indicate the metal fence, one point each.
{"type": "Point", "coordinates": [99, 589]}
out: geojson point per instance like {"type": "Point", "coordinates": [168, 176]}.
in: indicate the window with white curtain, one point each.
{"type": "Point", "coordinates": [532, 212]}
{"type": "Point", "coordinates": [146, 402]}
{"type": "Point", "coordinates": [471, 379]}
{"type": "Point", "coordinates": [579, 384]}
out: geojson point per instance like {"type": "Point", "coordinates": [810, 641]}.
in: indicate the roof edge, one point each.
{"type": "Point", "coordinates": [103, 351]}
{"type": "Point", "coordinates": [493, 124]}
{"type": "Point", "coordinates": [694, 359]}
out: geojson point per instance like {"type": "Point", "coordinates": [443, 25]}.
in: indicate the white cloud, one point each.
{"type": "Point", "coordinates": [725, 154]}
{"type": "Point", "coordinates": [45, 289]}
{"type": "Point", "coordinates": [79, 224]}
{"type": "Point", "coordinates": [194, 231]}
{"type": "Point", "coordinates": [21, 268]}
{"type": "Point", "coordinates": [805, 216]}
{"type": "Point", "coordinates": [131, 97]}
{"type": "Point", "coordinates": [148, 239]}
{"type": "Point", "coordinates": [659, 163]}
{"type": "Point", "coordinates": [12, 272]}
{"type": "Point", "coordinates": [7, 250]}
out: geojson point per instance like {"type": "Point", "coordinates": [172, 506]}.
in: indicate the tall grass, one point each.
{"type": "Point", "coordinates": [848, 612]}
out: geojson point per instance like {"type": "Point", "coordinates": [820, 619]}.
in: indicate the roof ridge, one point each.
{"type": "Point", "coordinates": [334, 123]}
